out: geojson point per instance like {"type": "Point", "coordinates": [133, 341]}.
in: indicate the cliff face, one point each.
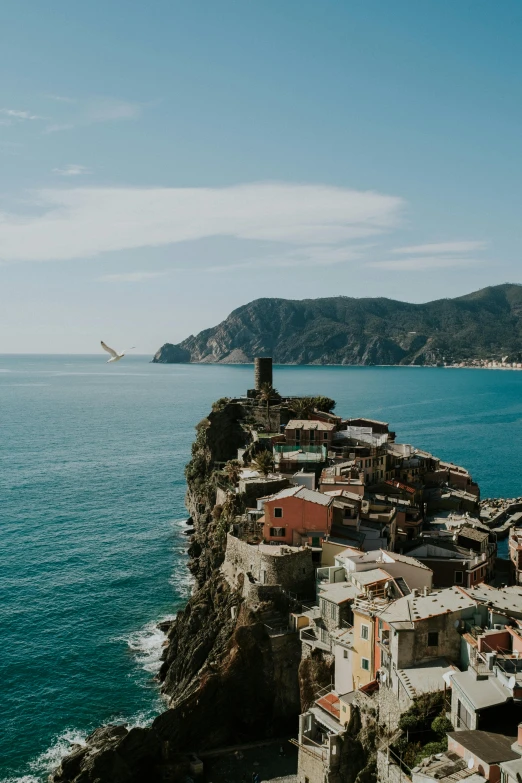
{"type": "Point", "coordinates": [224, 678]}
{"type": "Point", "coordinates": [342, 330]}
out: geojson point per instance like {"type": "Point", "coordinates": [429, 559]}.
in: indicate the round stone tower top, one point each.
{"type": "Point", "coordinates": [262, 371]}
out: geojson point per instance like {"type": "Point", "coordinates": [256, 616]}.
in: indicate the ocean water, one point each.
{"type": "Point", "coordinates": [91, 516]}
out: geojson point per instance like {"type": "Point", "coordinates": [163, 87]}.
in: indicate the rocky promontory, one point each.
{"type": "Point", "coordinates": [224, 679]}
{"type": "Point", "coordinates": [343, 330]}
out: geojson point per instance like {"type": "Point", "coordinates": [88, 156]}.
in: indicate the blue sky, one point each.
{"type": "Point", "coordinates": [164, 163]}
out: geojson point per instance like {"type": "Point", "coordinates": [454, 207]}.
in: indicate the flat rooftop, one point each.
{"type": "Point", "coordinates": [481, 693]}
{"type": "Point", "coordinates": [425, 678]}
{"type": "Point", "coordinates": [310, 424]}
{"type": "Point", "coordinates": [370, 577]}
{"type": "Point", "coordinates": [488, 747]}
{"type": "Point", "coordinates": [338, 592]}
{"type": "Point", "coordinates": [506, 599]}
{"type": "Point", "coordinates": [412, 608]}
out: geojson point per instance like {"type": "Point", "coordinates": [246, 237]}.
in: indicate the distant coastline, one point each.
{"type": "Point", "coordinates": [460, 366]}
{"type": "Point", "coordinates": [483, 328]}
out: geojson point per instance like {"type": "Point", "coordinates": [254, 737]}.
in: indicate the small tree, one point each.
{"type": "Point", "coordinates": [216, 512]}
{"type": "Point", "coordinates": [325, 404]}
{"type": "Point", "coordinates": [303, 407]}
{"type": "Point", "coordinates": [441, 725]}
{"type": "Point", "coordinates": [232, 471]}
{"type": "Point", "coordinates": [264, 462]}
{"type": "Point", "coordinates": [267, 394]}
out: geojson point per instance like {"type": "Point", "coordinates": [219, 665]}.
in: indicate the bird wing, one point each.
{"type": "Point", "coordinates": [109, 350]}
{"type": "Point", "coordinates": [128, 349]}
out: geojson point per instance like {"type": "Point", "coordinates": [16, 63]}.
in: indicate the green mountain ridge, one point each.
{"type": "Point", "coordinates": [343, 330]}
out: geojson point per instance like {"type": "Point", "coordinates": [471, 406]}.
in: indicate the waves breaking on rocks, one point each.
{"type": "Point", "coordinates": [147, 645]}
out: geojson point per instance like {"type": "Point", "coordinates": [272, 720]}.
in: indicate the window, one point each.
{"type": "Point", "coordinates": [433, 639]}
{"type": "Point", "coordinates": [459, 577]}
{"type": "Point", "coordinates": [333, 611]}
{"type": "Point", "coordinates": [365, 632]}
{"type": "Point", "coordinates": [365, 664]}
{"type": "Point", "coordinates": [298, 434]}
{"type": "Point", "coordinates": [325, 436]}
{"type": "Point", "coordinates": [312, 435]}
{"type": "Point", "coordinates": [278, 512]}
{"type": "Point", "coordinates": [345, 653]}
{"type": "Point", "coordinates": [463, 716]}
{"type": "Point", "coordinates": [380, 627]}
{"type": "Point", "coordinates": [277, 532]}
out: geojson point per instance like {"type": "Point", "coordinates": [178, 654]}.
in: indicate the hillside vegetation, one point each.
{"type": "Point", "coordinates": [342, 330]}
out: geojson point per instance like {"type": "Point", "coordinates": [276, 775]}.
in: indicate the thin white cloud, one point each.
{"type": "Point", "coordinates": [72, 170]}
{"type": "Point", "coordinates": [95, 110]}
{"type": "Point", "coordinates": [320, 255]}
{"type": "Point", "coordinates": [441, 247]}
{"type": "Point", "coordinates": [84, 222]}
{"type": "Point", "coordinates": [130, 277]}
{"type": "Point", "coordinates": [422, 263]}
{"type": "Point", "coordinates": [109, 109]}
{"type": "Point", "coordinates": [18, 114]}
{"type": "Point", "coordinates": [61, 98]}
{"type": "Point", "coordinates": [59, 126]}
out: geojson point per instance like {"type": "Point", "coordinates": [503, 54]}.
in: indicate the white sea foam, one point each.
{"type": "Point", "coordinates": [50, 759]}
{"type": "Point", "coordinates": [22, 779]}
{"type": "Point", "coordinates": [181, 578]}
{"type": "Point", "coordinates": [147, 645]}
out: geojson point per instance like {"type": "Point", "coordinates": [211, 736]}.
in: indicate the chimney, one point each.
{"type": "Point", "coordinates": [426, 591]}
{"type": "Point", "coordinates": [414, 592]}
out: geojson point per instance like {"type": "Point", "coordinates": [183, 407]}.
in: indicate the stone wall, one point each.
{"type": "Point", "coordinates": [293, 571]}
{"type": "Point", "coordinates": [256, 593]}
{"type": "Point", "coordinates": [388, 771]}
{"type": "Point", "coordinates": [390, 708]}
{"type": "Point", "coordinates": [310, 767]}
{"type": "Point", "coordinates": [252, 489]}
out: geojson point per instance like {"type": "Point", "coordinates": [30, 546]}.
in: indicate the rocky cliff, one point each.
{"type": "Point", "coordinates": [343, 330]}
{"type": "Point", "coordinates": [224, 678]}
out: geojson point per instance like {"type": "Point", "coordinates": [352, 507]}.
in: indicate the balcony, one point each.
{"type": "Point", "coordinates": [384, 641]}
{"type": "Point", "coordinates": [308, 636]}
{"type": "Point", "coordinates": [312, 748]}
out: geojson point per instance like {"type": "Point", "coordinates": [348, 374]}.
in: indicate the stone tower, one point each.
{"type": "Point", "coordinates": [262, 371]}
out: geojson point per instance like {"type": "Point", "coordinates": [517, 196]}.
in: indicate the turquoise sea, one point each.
{"type": "Point", "coordinates": [91, 515]}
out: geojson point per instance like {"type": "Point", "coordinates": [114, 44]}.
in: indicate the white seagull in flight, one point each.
{"type": "Point", "coordinates": [114, 354]}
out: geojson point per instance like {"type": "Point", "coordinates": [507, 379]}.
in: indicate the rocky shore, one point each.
{"type": "Point", "coordinates": [223, 678]}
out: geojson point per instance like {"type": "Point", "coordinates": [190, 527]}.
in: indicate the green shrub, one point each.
{"type": "Point", "coordinates": [218, 405]}
{"type": "Point", "coordinates": [430, 749]}
{"type": "Point", "coordinates": [410, 721]}
{"type": "Point", "coordinates": [325, 404]}
{"type": "Point", "coordinates": [441, 725]}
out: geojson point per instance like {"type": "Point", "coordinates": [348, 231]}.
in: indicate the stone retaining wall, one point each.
{"type": "Point", "coordinates": [293, 571]}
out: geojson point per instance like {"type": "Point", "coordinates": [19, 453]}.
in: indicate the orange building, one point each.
{"type": "Point", "coordinates": [297, 516]}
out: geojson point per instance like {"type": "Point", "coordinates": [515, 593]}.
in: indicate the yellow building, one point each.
{"type": "Point", "coordinates": [363, 653]}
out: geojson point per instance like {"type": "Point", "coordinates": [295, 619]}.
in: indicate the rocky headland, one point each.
{"type": "Point", "coordinates": [480, 327]}
{"type": "Point", "coordinates": [224, 679]}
